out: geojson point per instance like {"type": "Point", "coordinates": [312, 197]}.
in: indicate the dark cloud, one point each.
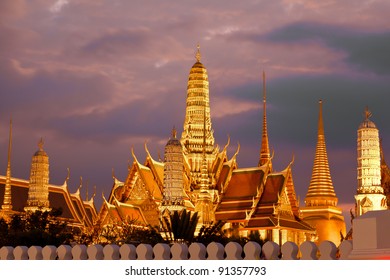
{"type": "Point", "coordinates": [368, 51]}
{"type": "Point", "coordinates": [293, 105]}
{"type": "Point", "coordinates": [38, 96]}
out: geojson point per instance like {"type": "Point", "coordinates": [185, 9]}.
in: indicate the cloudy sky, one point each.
{"type": "Point", "coordinates": [95, 78]}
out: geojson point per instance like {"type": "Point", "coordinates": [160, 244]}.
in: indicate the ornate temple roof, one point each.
{"type": "Point", "coordinates": [120, 212]}
{"type": "Point", "coordinates": [253, 197]}
{"type": "Point", "coordinates": [75, 211]}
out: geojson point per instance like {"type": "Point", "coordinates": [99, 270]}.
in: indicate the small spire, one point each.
{"type": "Point", "coordinates": [174, 132]}
{"type": "Point", "coordinates": [264, 151]}
{"type": "Point", "coordinates": [367, 113]}
{"type": "Point", "coordinates": [320, 121]}
{"type": "Point", "coordinates": [40, 144]}
{"type": "Point", "coordinates": [7, 203]}
{"type": "Point", "coordinates": [264, 88]}
{"type": "Point", "coordinates": [198, 56]}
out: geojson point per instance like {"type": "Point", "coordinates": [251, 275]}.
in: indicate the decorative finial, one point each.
{"type": "Point", "coordinates": [40, 144]}
{"type": "Point", "coordinates": [367, 113]}
{"type": "Point", "coordinates": [320, 121]}
{"type": "Point", "coordinates": [264, 88]}
{"type": "Point", "coordinates": [198, 56]}
{"type": "Point", "coordinates": [174, 132]}
{"type": "Point", "coordinates": [10, 141]}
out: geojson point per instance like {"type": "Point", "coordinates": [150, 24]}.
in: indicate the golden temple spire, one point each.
{"type": "Point", "coordinates": [321, 191]}
{"type": "Point", "coordinates": [173, 184]}
{"type": "Point", "coordinates": [194, 128]}
{"type": "Point", "coordinates": [264, 151]}
{"type": "Point", "coordinates": [38, 190]}
{"type": "Point", "coordinates": [7, 202]}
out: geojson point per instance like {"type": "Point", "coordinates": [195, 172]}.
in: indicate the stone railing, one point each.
{"type": "Point", "coordinates": [196, 251]}
{"type": "Point", "coordinates": [370, 241]}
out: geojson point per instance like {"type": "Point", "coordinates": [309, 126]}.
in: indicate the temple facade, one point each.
{"type": "Point", "coordinates": [320, 210]}
{"type": "Point", "coordinates": [198, 176]}
{"type": "Point", "coordinates": [372, 171]}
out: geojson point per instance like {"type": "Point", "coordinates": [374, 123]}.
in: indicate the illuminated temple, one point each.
{"type": "Point", "coordinates": [197, 175]}
{"type": "Point", "coordinates": [20, 195]}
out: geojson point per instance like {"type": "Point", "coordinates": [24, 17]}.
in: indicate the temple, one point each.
{"type": "Point", "coordinates": [188, 176]}
{"type": "Point", "coordinates": [196, 175]}
{"type": "Point", "coordinates": [19, 195]}
{"type": "Point", "coordinates": [320, 210]}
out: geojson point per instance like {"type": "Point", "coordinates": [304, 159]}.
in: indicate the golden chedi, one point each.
{"type": "Point", "coordinates": [38, 193]}
{"type": "Point", "coordinates": [198, 113]}
{"type": "Point", "coordinates": [320, 210]}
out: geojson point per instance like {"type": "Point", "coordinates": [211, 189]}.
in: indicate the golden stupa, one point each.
{"type": "Point", "coordinates": [320, 210]}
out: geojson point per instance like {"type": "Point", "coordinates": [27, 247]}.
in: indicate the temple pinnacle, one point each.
{"type": "Point", "coordinates": [7, 203]}
{"type": "Point", "coordinates": [320, 121]}
{"type": "Point", "coordinates": [264, 151]}
{"type": "Point", "coordinates": [40, 144]}
{"type": "Point", "coordinates": [321, 191]}
{"type": "Point", "coordinates": [174, 132]}
{"type": "Point", "coordinates": [367, 113]}
{"type": "Point", "coordinates": [198, 56]}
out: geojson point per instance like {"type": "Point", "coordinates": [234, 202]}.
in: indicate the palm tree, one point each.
{"type": "Point", "coordinates": [180, 226]}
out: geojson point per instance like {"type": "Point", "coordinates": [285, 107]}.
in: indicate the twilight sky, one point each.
{"type": "Point", "coordinates": [95, 78]}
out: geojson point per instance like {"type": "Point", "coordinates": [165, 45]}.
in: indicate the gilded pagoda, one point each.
{"type": "Point", "coordinates": [321, 210]}
{"type": "Point", "coordinates": [372, 171]}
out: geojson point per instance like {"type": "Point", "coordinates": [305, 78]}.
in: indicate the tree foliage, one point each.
{"type": "Point", "coordinates": [38, 228]}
